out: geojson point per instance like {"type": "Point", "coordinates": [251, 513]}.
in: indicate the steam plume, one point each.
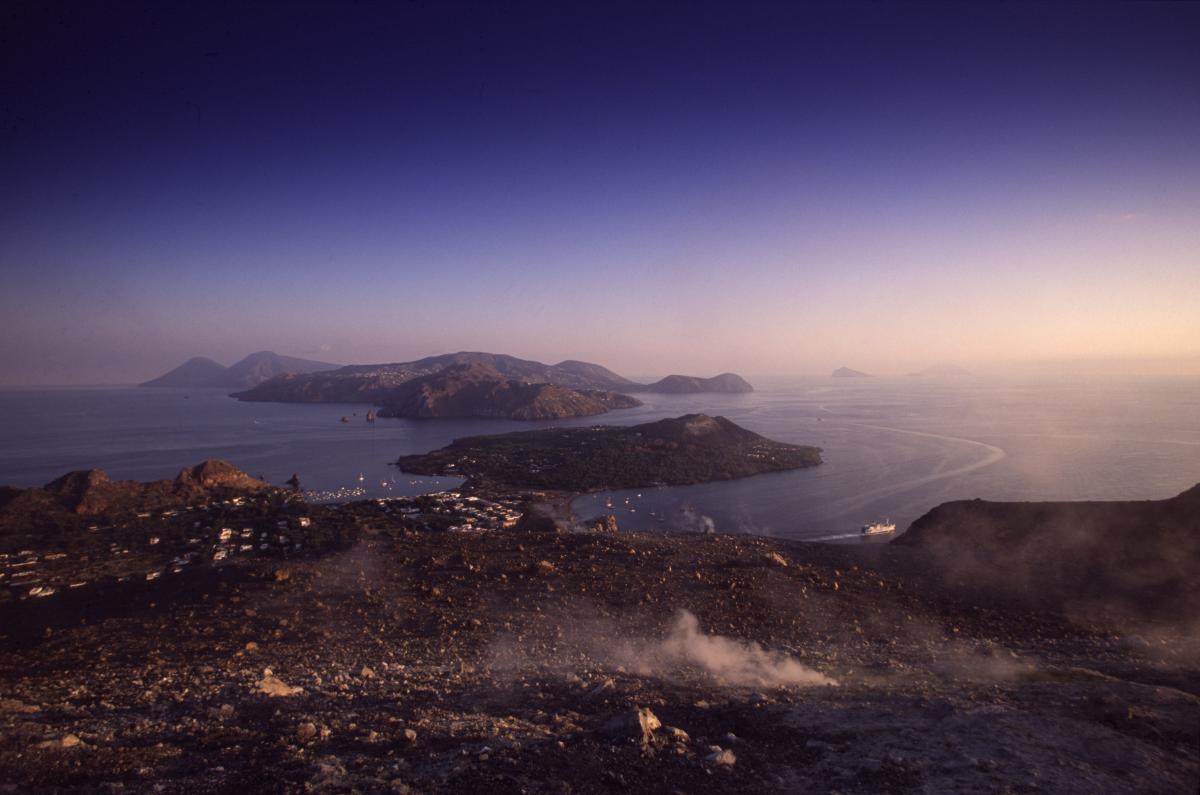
{"type": "Point", "coordinates": [734, 661]}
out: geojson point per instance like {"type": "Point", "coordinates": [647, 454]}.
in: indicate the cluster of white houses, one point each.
{"type": "Point", "coordinates": [463, 512]}
{"type": "Point", "coordinates": [27, 574]}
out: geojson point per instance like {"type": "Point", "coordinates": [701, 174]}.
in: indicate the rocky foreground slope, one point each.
{"type": "Point", "coordinates": [385, 655]}
{"type": "Point", "coordinates": [90, 493]}
{"type": "Point", "coordinates": [1139, 560]}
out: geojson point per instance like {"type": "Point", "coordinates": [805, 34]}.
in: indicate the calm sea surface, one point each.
{"type": "Point", "coordinates": [894, 448]}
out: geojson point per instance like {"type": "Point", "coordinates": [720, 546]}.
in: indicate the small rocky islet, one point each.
{"type": "Point", "coordinates": [226, 635]}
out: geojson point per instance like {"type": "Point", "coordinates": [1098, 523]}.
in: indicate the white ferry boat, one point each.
{"type": "Point", "coordinates": [878, 528]}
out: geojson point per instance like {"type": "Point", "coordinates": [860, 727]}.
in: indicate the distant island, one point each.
{"type": "Point", "coordinates": [941, 370]}
{"type": "Point", "coordinates": [378, 383]}
{"type": "Point", "coordinates": [687, 384]}
{"type": "Point", "coordinates": [465, 384]}
{"type": "Point", "coordinates": [694, 448]}
{"type": "Point", "coordinates": [846, 372]}
{"type": "Point", "coordinates": [477, 390]}
{"type": "Point", "coordinates": [250, 371]}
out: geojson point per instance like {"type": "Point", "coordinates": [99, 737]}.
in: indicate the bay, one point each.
{"type": "Point", "coordinates": [893, 448]}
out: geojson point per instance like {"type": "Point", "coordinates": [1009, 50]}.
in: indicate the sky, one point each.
{"type": "Point", "coordinates": [657, 187]}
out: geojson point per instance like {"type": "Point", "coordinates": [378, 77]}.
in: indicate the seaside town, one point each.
{"type": "Point", "coordinates": [149, 545]}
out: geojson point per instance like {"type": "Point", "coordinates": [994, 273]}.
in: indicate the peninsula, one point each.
{"type": "Point", "coordinates": [694, 448]}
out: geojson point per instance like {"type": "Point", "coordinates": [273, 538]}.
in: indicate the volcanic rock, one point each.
{"type": "Point", "coordinates": [1140, 558]}
{"type": "Point", "coordinates": [723, 757]}
{"type": "Point", "coordinates": [275, 687]}
{"type": "Point", "coordinates": [944, 686]}
{"type": "Point", "coordinates": [638, 724]}
{"type": "Point", "coordinates": [91, 493]}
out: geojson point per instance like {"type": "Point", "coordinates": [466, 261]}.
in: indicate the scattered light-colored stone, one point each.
{"type": "Point", "coordinates": [638, 723]}
{"type": "Point", "coordinates": [273, 686]}
{"type": "Point", "coordinates": [724, 757]}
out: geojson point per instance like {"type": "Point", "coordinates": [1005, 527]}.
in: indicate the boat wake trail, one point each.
{"type": "Point", "coordinates": [862, 498]}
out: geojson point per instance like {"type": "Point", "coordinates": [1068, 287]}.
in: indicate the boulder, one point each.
{"type": "Point", "coordinates": [636, 724]}
{"type": "Point", "coordinates": [273, 686]}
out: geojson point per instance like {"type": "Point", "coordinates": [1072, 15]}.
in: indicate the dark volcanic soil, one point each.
{"type": "Point", "coordinates": [515, 661]}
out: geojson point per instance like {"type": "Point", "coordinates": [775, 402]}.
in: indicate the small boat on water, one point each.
{"type": "Point", "coordinates": [878, 528]}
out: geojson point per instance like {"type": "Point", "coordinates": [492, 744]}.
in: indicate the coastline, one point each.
{"type": "Point", "coordinates": [1113, 457]}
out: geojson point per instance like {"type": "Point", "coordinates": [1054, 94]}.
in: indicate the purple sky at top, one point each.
{"type": "Point", "coordinates": [683, 187]}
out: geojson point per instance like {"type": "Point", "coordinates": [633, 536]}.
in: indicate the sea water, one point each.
{"type": "Point", "coordinates": [893, 448]}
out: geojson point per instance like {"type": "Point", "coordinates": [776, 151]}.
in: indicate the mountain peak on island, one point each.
{"type": "Point", "coordinates": [475, 389]}
{"type": "Point", "coordinates": [198, 371]}
{"type": "Point", "coordinates": [697, 427]}
{"type": "Point", "coordinates": [591, 371]}
{"type": "Point", "coordinates": [846, 372]}
{"type": "Point", "coordinates": [689, 384]}
{"type": "Point", "coordinates": [250, 371]}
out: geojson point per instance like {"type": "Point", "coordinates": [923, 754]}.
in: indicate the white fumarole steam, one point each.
{"type": "Point", "coordinates": [734, 661]}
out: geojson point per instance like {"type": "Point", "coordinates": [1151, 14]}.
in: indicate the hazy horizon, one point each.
{"type": "Point", "coordinates": [1183, 367]}
{"type": "Point", "coordinates": [762, 189]}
